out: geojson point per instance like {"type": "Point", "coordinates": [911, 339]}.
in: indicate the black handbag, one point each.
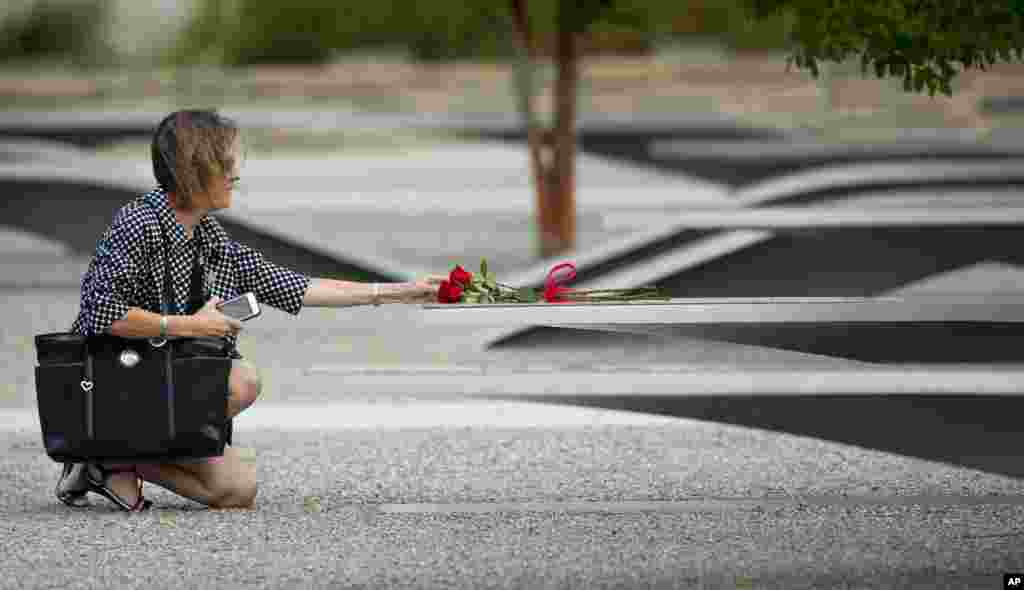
{"type": "Point", "coordinates": [107, 398]}
{"type": "Point", "coordinates": [120, 399]}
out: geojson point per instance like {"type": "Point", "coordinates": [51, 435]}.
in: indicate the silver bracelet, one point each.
{"type": "Point", "coordinates": [163, 326]}
{"type": "Point", "coordinates": [376, 294]}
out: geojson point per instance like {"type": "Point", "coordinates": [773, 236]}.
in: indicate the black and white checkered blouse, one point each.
{"type": "Point", "coordinates": [128, 267]}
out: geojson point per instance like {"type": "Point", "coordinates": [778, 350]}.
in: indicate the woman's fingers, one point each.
{"type": "Point", "coordinates": [432, 285]}
{"type": "Point", "coordinates": [435, 279]}
{"type": "Point", "coordinates": [219, 325]}
{"type": "Point", "coordinates": [211, 304]}
{"type": "Point", "coordinates": [230, 325]}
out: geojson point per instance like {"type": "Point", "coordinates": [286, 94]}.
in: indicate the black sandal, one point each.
{"type": "Point", "coordinates": [73, 485]}
{"type": "Point", "coordinates": [98, 476]}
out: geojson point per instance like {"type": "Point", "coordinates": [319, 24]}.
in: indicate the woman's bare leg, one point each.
{"type": "Point", "coordinates": [244, 385]}
{"type": "Point", "coordinates": [221, 482]}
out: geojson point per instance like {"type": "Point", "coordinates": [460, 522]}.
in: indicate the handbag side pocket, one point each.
{"type": "Point", "coordinates": [131, 416]}
{"type": "Point", "coordinates": [201, 404]}
{"type": "Point", "coordinates": [65, 411]}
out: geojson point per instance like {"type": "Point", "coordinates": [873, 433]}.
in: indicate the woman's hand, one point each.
{"type": "Point", "coordinates": [209, 321]}
{"type": "Point", "coordinates": [423, 290]}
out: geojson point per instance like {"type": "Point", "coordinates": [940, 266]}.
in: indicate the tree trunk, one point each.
{"type": "Point", "coordinates": [526, 88]}
{"type": "Point", "coordinates": [552, 153]}
{"type": "Point", "coordinates": [559, 236]}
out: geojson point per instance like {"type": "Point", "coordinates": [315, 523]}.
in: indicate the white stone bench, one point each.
{"type": "Point", "coordinates": [933, 329]}
{"type": "Point", "coordinates": [965, 413]}
{"type": "Point", "coordinates": [747, 310]}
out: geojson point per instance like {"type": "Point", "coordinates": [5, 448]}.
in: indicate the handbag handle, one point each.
{"type": "Point", "coordinates": [87, 383]}
{"type": "Point", "coordinates": [157, 342]}
{"type": "Point", "coordinates": [160, 342]}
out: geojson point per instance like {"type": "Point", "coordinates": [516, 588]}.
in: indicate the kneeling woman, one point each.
{"type": "Point", "coordinates": [196, 155]}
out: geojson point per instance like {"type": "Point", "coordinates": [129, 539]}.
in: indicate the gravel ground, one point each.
{"type": "Point", "coordinates": [553, 498]}
{"type": "Point", "coordinates": [529, 507]}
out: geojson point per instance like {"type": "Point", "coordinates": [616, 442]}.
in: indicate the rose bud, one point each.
{"type": "Point", "coordinates": [461, 276]}
{"type": "Point", "coordinates": [449, 292]}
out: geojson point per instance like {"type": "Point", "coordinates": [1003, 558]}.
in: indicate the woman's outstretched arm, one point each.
{"type": "Point", "coordinates": [333, 293]}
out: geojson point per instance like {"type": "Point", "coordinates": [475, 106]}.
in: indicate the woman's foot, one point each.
{"type": "Point", "coordinates": [120, 485]}
{"type": "Point", "coordinates": [73, 486]}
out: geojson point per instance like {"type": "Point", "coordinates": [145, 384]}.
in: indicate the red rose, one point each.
{"type": "Point", "coordinates": [460, 276]}
{"type": "Point", "coordinates": [449, 292]}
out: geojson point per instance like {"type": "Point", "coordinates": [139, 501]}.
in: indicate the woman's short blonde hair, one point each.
{"type": "Point", "coordinates": [191, 150]}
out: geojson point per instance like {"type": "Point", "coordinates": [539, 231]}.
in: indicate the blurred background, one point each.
{"type": "Point", "coordinates": [704, 57]}
{"type": "Point", "coordinates": [319, 80]}
{"type": "Point", "coordinates": [387, 140]}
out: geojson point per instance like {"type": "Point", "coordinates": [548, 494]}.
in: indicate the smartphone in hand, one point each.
{"type": "Point", "coordinates": [242, 308]}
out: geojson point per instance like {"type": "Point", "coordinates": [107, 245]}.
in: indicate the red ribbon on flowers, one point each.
{"type": "Point", "coordinates": [554, 291]}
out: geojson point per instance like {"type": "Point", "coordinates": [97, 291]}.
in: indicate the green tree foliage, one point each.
{"type": "Point", "coordinates": [243, 32]}
{"type": "Point", "coordinates": [450, 29]}
{"type": "Point", "coordinates": [71, 30]}
{"type": "Point", "coordinates": [924, 42]}
{"type": "Point", "coordinates": [240, 32]}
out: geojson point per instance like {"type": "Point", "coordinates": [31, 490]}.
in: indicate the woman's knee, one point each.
{"type": "Point", "coordinates": [234, 485]}
{"type": "Point", "coordinates": [246, 385]}
{"type": "Point", "coordinates": [239, 493]}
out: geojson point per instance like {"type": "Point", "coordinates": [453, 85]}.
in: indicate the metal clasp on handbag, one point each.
{"type": "Point", "coordinates": [129, 358]}
{"type": "Point", "coordinates": [157, 342]}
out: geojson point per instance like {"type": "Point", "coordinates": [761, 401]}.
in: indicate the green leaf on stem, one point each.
{"type": "Point", "coordinates": [527, 295]}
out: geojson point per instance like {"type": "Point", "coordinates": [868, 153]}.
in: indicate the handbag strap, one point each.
{"type": "Point", "coordinates": [196, 277]}
{"type": "Point", "coordinates": [195, 281]}
{"type": "Point", "coordinates": [169, 394]}
{"type": "Point", "coordinates": [169, 350]}
{"type": "Point", "coordinates": [197, 294]}
{"type": "Point", "coordinates": [166, 290]}
{"type": "Point", "coordinates": [88, 379]}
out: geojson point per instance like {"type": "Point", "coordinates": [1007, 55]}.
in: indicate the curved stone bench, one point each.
{"type": "Point", "coordinates": [743, 163]}
{"type": "Point", "coordinates": [932, 329]}
{"type": "Point", "coordinates": [954, 390]}
{"type": "Point", "coordinates": [838, 243]}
